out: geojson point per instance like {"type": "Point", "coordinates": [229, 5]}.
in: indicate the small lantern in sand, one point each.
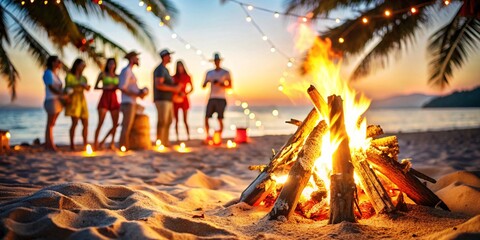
{"type": "Point", "coordinates": [217, 138]}
{"type": "Point", "coordinates": [241, 136]}
{"type": "Point", "coordinates": [231, 144]}
{"type": "Point", "coordinates": [123, 149]}
{"type": "Point", "coordinates": [88, 150]}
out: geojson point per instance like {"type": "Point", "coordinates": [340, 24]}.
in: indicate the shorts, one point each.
{"type": "Point", "coordinates": [53, 106]}
{"type": "Point", "coordinates": [216, 105]}
{"type": "Point", "coordinates": [109, 100]}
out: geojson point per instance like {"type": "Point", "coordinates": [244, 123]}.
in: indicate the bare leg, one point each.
{"type": "Point", "coordinates": [115, 115]}
{"type": "Point", "coordinates": [175, 115]}
{"type": "Point", "coordinates": [220, 122]}
{"type": "Point", "coordinates": [85, 131]}
{"type": "Point", "coordinates": [207, 128]}
{"type": "Point", "coordinates": [72, 132]}
{"type": "Point", "coordinates": [185, 117]}
{"type": "Point", "coordinates": [49, 144]}
{"type": "Point", "coordinates": [102, 112]}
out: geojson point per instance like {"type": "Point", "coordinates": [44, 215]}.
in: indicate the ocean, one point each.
{"type": "Point", "coordinates": [27, 124]}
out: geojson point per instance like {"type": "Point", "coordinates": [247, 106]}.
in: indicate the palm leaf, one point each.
{"type": "Point", "coordinates": [399, 34]}
{"type": "Point", "coordinates": [324, 7]}
{"type": "Point", "coordinates": [100, 38]}
{"type": "Point", "coordinates": [450, 46]}
{"type": "Point", "coordinates": [7, 69]}
{"type": "Point", "coordinates": [3, 27]}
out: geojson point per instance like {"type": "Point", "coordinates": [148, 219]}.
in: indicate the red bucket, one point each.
{"type": "Point", "coordinates": [241, 136]}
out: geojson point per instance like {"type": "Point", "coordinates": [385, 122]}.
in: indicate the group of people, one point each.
{"type": "Point", "coordinates": [170, 95]}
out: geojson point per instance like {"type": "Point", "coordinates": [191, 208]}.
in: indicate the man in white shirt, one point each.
{"type": "Point", "coordinates": [219, 80]}
{"type": "Point", "coordinates": [130, 91]}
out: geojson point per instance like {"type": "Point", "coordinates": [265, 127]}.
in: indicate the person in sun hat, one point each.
{"type": "Point", "coordinates": [219, 80]}
{"type": "Point", "coordinates": [163, 89]}
{"type": "Point", "coordinates": [130, 91]}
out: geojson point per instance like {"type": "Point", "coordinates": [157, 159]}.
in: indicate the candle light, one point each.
{"type": "Point", "coordinates": [88, 149]}
{"type": "Point", "coordinates": [123, 149]}
{"type": "Point", "coordinates": [231, 144]}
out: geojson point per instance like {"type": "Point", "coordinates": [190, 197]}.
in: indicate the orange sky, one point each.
{"type": "Point", "coordinates": [255, 70]}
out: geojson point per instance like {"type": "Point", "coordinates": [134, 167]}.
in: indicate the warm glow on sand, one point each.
{"type": "Point", "coordinates": [123, 149]}
{"type": "Point", "coordinates": [88, 150]}
{"type": "Point", "coordinates": [231, 144]}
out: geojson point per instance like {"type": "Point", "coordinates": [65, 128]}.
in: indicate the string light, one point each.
{"type": "Point", "coordinates": [58, 1]}
{"type": "Point", "coordinates": [174, 35]}
{"type": "Point", "coordinates": [32, 1]}
{"type": "Point", "coordinates": [304, 19]}
{"type": "Point", "coordinates": [364, 20]}
{"type": "Point", "coordinates": [272, 49]}
{"type": "Point", "coordinates": [446, 2]}
{"type": "Point", "coordinates": [45, 2]}
{"type": "Point", "coordinates": [149, 8]}
{"type": "Point", "coordinates": [388, 13]}
{"type": "Point", "coordinates": [250, 7]}
{"type": "Point", "coordinates": [337, 20]}
{"type": "Point", "coordinates": [289, 64]}
{"type": "Point", "coordinates": [280, 88]}
{"type": "Point", "coordinates": [413, 10]}
{"type": "Point", "coordinates": [264, 38]}
{"type": "Point", "coordinates": [141, 3]}
{"type": "Point", "coordinates": [187, 46]}
{"type": "Point", "coordinates": [199, 52]}
{"type": "Point", "coordinates": [167, 18]}
{"type": "Point", "coordinates": [341, 40]}
{"type": "Point", "coordinates": [276, 15]}
{"type": "Point", "coordinates": [23, 3]}
{"type": "Point", "coordinates": [161, 24]}
{"type": "Point", "coordinates": [248, 19]}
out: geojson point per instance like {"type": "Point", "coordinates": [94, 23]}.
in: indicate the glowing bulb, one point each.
{"type": "Point", "coordinates": [341, 40]}
{"type": "Point", "coordinates": [167, 18]}
{"type": "Point", "coordinates": [272, 49]}
{"type": "Point", "coordinates": [149, 8]}
{"type": "Point", "coordinates": [304, 19]}
{"type": "Point", "coordinates": [182, 145]}
{"type": "Point", "coordinates": [446, 3]}
{"type": "Point", "coordinates": [199, 52]}
{"type": "Point", "coordinates": [231, 144]}
{"type": "Point", "coordinates": [8, 135]}
{"type": "Point", "coordinates": [45, 2]}
{"type": "Point", "coordinates": [244, 105]}
{"type": "Point", "coordinates": [258, 123]}
{"type": "Point", "coordinates": [58, 1]}
{"type": "Point", "coordinates": [174, 35]}
{"type": "Point", "coordinates": [276, 15]}
{"type": "Point", "coordinates": [250, 7]}
{"type": "Point", "coordinates": [32, 1]}
{"type": "Point", "coordinates": [141, 3]}
{"type": "Point", "coordinates": [337, 20]}
{"type": "Point", "coordinates": [289, 64]}
{"type": "Point", "coordinates": [88, 149]}
{"type": "Point", "coordinates": [275, 112]}
{"type": "Point", "coordinates": [413, 10]}
{"type": "Point", "coordinates": [246, 111]}
{"type": "Point", "coordinates": [23, 3]}
{"type": "Point", "coordinates": [265, 38]}
{"type": "Point", "coordinates": [364, 20]}
{"type": "Point", "coordinates": [251, 116]}
{"type": "Point", "coordinates": [100, 2]}
{"type": "Point", "coordinates": [280, 88]}
{"type": "Point", "coordinates": [161, 24]}
{"type": "Point", "coordinates": [248, 19]}
{"type": "Point", "coordinates": [388, 13]}
{"type": "Point", "coordinates": [123, 149]}
{"type": "Point", "coordinates": [187, 46]}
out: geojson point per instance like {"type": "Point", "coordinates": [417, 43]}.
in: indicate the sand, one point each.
{"type": "Point", "coordinates": [173, 195]}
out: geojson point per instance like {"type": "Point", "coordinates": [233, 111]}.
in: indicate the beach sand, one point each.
{"type": "Point", "coordinates": [173, 195]}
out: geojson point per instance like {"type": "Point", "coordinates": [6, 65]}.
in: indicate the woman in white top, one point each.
{"type": "Point", "coordinates": [53, 95]}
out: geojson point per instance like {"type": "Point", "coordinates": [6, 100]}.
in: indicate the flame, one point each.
{"type": "Point", "coordinates": [322, 69]}
{"type": "Point", "coordinates": [88, 149]}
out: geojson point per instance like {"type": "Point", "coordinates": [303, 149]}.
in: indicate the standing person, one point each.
{"type": "Point", "coordinates": [219, 80]}
{"type": "Point", "coordinates": [130, 91]}
{"type": "Point", "coordinates": [163, 90]}
{"type": "Point", "coordinates": [77, 106]}
{"type": "Point", "coordinates": [108, 101]}
{"type": "Point", "coordinates": [180, 100]}
{"type": "Point", "coordinates": [53, 95]}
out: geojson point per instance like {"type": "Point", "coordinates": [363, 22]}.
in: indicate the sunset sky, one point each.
{"type": "Point", "coordinates": [256, 72]}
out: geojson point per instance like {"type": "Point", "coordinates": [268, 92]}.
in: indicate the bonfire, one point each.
{"type": "Point", "coordinates": [335, 166]}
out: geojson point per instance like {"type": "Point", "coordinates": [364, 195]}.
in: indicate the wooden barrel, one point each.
{"type": "Point", "coordinates": [140, 134]}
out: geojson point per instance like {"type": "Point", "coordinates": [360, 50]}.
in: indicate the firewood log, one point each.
{"type": "Point", "coordinates": [405, 181]}
{"type": "Point", "coordinates": [374, 130]}
{"type": "Point", "coordinates": [299, 174]}
{"type": "Point", "coordinates": [257, 191]}
{"type": "Point", "coordinates": [374, 189]}
{"type": "Point", "coordinates": [342, 186]}
{"type": "Point", "coordinates": [388, 145]}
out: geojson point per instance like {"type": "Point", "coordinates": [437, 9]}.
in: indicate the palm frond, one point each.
{"type": "Point", "coordinates": [398, 35]}
{"type": "Point", "coordinates": [450, 46]}
{"type": "Point", "coordinates": [24, 39]}
{"type": "Point", "coordinates": [3, 27]}
{"type": "Point", "coordinates": [163, 8]}
{"type": "Point", "coordinates": [326, 6]}
{"type": "Point", "coordinates": [7, 70]}
{"type": "Point", "coordinates": [100, 38]}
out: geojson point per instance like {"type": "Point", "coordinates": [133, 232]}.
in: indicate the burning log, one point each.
{"type": "Point", "coordinates": [299, 174]}
{"type": "Point", "coordinates": [374, 130]}
{"type": "Point", "coordinates": [374, 189]}
{"type": "Point", "coordinates": [388, 145]}
{"type": "Point", "coordinates": [259, 188]}
{"type": "Point", "coordinates": [405, 181]}
{"type": "Point", "coordinates": [294, 122]}
{"type": "Point", "coordinates": [342, 186]}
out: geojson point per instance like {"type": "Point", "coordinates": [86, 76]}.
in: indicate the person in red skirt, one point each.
{"type": "Point", "coordinates": [108, 101]}
{"type": "Point", "coordinates": [180, 100]}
